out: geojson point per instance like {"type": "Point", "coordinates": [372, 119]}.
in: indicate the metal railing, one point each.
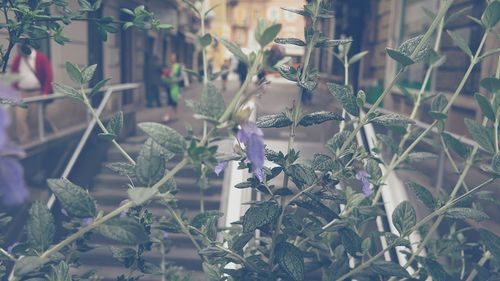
{"type": "Point", "coordinates": [88, 127]}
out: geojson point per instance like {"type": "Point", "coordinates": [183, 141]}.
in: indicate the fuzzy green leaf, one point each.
{"type": "Point", "coordinates": [491, 84]}
{"type": "Point", "coordinates": [301, 174]}
{"type": "Point", "coordinates": [398, 56]}
{"type": "Point", "coordinates": [125, 230]}
{"type": "Point", "coordinates": [343, 94]}
{"type": "Point", "coordinates": [40, 227]}
{"type": "Point", "coordinates": [235, 50]}
{"type": "Point", "coordinates": [323, 163]}
{"type": "Point", "coordinates": [392, 120]}
{"type": "Point", "coordinates": [423, 194]}
{"type": "Point", "coordinates": [351, 241]}
{"type": "Point", "coordinates": [466, 213]}
{"type": "Point", "coordinates": [60, 272]}
{"type": "Point", "coordinates": [290, 260]}
{"type": "Point", "coordinates": [164, 136]}
{"type": "Point", "coordinates": [404, 217]}
{"type": "Point", "coordinates": [269, 34]}
{"type": "Point", "coordinates": [408, 48]}
{"type": "Point", "coordinates": [259, 215]}
{"type": "Point", "coordinates": [74, 199]}
{"type": "Point", "coordinates": [495, 163]}
{"type": "Point", "coordinates": [457, 146]}
{"type": "Point", "coordinates": [492, 241]}
{"type": "Point", "coordinates": [151, 163]}
{"type": "Point", "coordinates": [122, 168]}
{"type": "Point", "coordinates": [74, 73]}
{"type": "Point", "coordinates": [68, 91]}
{"type": "Point", "coordinates": [115, 124]}
{"type": "Point", "coordinates": [460, 42]}
{"type": "Point", "coordinates": [357, 57]}
{"type": "Point", "coordinates": [485, 106]}
{"type": "Point", "coordinates": [273, 121]}
{"type": "Point", "coordinates": [491, 15]}
{"type": "Point", "coordinates": [88, 73]}
{"type": "Point", "coordinates": [319, 117]}
{"type": "Point", "coordinates": [211, 104]}
{"type": "Point", "coordinates": [482, 135]}
{"type": "Point", "coordinates": [291, 41]}
{"type": "Point", "coordinates": [205, 40]}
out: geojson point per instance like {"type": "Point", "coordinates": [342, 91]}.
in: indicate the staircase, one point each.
{"type": "Point", "coordinates": [109, 189]}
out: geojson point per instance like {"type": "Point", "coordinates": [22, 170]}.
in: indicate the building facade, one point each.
{"type": "Point", "coordinates": [377, 24]}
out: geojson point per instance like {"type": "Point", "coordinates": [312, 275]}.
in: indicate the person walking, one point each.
{"type": "Point", "coordinates": [35, 77]}
{"type": "Point", "coordinates": [242, 71]}
{"type": "Point", "coordinates": [225, 73]}
{"type": "Point", "coordinates": [172, 78]}
{"type": "Point", "coordinates": [155, 73]}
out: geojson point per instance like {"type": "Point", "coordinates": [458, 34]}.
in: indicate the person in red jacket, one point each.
{"type": "Point", "coordinates": [34, 73]}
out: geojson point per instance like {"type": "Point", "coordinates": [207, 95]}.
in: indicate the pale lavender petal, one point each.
{"type": "Point", "coordinates": [87, 221]}
{"type": "Point", "coordinates": [363, 177]}
{"type": "Point", "coordinates": [12, 186]}
{"type": "Point", "coordinates": [256, 155]}
{"type": "Point", "coordinates": [220, 167]}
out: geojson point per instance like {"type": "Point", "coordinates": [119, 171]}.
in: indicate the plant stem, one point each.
{"type": "Point", "coordinates": [387, 90]}
{"type": "Point", "coordinates": [482, 261]}
{"type": "Point", "coordinates": [232, 105]}
{"type": "Point", "coordinates": [7, 254]}
{"type": "Point", "coordinates": [103, 128]}
{"type": "Point", "coordinates": [98, 221]}
{"type": "Point", "coordinates": [184, 229]}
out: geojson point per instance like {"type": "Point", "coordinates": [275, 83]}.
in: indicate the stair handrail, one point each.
{"type": "Point", "coordinates": [108, 91]}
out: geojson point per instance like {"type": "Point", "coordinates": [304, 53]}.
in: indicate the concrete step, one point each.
{"type": "Point", "coordinates": [181, 256]}
{"type": "Point", "coordinates": [109, 273]}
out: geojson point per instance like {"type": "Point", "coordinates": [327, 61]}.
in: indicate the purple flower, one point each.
{"type": "Point", "coordinates": [363, 177]}
{"type": "Point", "coordinates": [87, 221]}
{"type": "Point", "coordinates": [220, 167]}
{"type": "Point", "coordinates": [252, 137]}
{"type": "Point", "coordinates": [12, 186]}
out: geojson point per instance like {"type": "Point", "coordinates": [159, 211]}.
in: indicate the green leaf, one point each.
{"type": "Point", "coordinates": [398, 56]}
{"type": "Point", "coordinates": [319, 117]}
{"type": "Point", "coordinates": [205, 40]}
{"type": "Point", "coordinates": [269, 34]}
{"type": "Point", "coordinates": [396, 241]}
{"type": "Point", "coordinates": [97, 88]}
{"type": "Point", "coordinates": [241, 240]}
{"type": "Point", "coordinates": [124, 230]}
{"type": "Point", "coordinates": [372, 167]}
{"type": "Point", "coordinates": [491, 84]}
{"type": "Point", "coordinates": [393, 120]}
{"type": "Point", "coordinates": [466, 213]}
{"type": "Point", "coordinates": [460, 42]}
{"type": "Point", "coordinates": [60, 272]}
{"type": "Point", "coordinates": [290, 260]}
{"type": "Point", "coordinates": [290, 41]}
{"type": "Point", "coordinates": [301, 174]}
{"type": "Point", "coordinates": [404, 217]}
{"type": "Point", "coordinates": [211, 104]}
{"type": "Point", "coordinates": [337, 141]}
{"type": "Point", "coordinates": [107, 136]}
{"type": "Point", "coordinates": [151, 163]}
{"type": "Point", "coordinates": [85, 5]}
{"type": "Point", "coordinates": [438, 105]}
{"type": "Point", "coordinates": [357, 57]}
{"type": "Point", "coordinates": [88, 73]}
{"type": "Point", "coordinates": [28, 264]}
{"type": "Point", "coordinates": [304, 13]}
{"type": "Point", "coordinates": [323, 163]}
{"type": "Point", "coordinates": [408, 48]}
{"type": "Point", "coordinates": [495, 163]}
{"type": "Point", "coordinates": [40, 227]}
{"type": "Point", "coordinates": [288, 72]}
{"type": "Point", "coordinates": [344, 95]}
{"type": "Point", "coordinates": [74, 73]}
{"type": "Point", "coordinates": [351, 241]}
{"type": "Point", "coordinates": [491, 15]}
{"type": "Point", "coordinates": [115, 124]}
{"type": "Point", "coordinates": [259, 215]}
{"type": "Point", "coordinates": [423, 194]}
{"type": "Point", "coordinates": [139, 195]}
{"type": "Point", "coordinates": [387, 268]}
{"type": "Point", "coordinates": [485, 106]}
{"type": "Point", "coordinates": [235, 50]}
{"type": "Point", "coordinates": [491, 241]}
{"type": "Point", "coordinates": [273, 121]}
{"type": "Point", "coordinates": [68, 91]}
{"type": "Point", "coordinates": [122, 168]}
{"type": "Point", "coordinates": [164, 136]}
{"type": "Point", "coordinates": [414, 157]}
{"type": "Point", "coordinates": [328, 43]}
{"type": "Point", "coordinates": [482, 135]}
{"type": "Point", "coordinates": [74, 199]}
{"type": "Point", "coordinates": [457, 146]}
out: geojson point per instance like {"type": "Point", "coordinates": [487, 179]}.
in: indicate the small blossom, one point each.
{"type": "Point", "coordinates": [87, 221]}
{"type": "Point", "coordinates": [363, 177]}
{"type": "Point", "coordinates": [12, 186]}
{"type": "Point", "coordinates": [252, 137]}
{"type": "Point", "coordinates": [220, 167]}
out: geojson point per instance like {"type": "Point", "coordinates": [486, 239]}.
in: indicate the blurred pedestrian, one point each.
{"type": "Point", "coordinates": [172, 78]}
{"type": "Point", "coordinates": [34, 73]}
{"type": "Point", "coordinates": [155, 73]}
{"type": "Point", "coordinates": [225, 73]}
{"type": "Point", "coordinates": [242, 71]}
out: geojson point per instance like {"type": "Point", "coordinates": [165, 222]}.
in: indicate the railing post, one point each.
{"type": "Point", "coordinates": [41, 123]}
